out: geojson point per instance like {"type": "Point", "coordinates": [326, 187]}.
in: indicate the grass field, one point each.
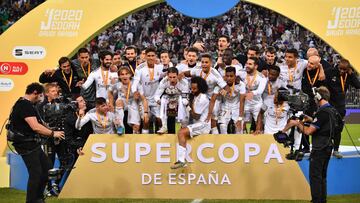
{"type": "Point", "coordinates": [11, 195]}
{"type": "Point", "coordinates": [354, 131]}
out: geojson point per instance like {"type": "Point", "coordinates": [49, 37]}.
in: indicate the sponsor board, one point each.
{"type": "Point", "coordinates": [29, 52]}
{"type": "Point", "coordinates": [345, 22]}
{"type": "Point", "coordinates": [6, 84]}
{"type": "Point", "coordinates": [13, 68]}
{"type": "Point", "coordinates": [61, 23]}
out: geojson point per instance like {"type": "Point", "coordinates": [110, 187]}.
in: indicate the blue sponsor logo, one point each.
{"type": "Point", "coordinates": [202, 8]}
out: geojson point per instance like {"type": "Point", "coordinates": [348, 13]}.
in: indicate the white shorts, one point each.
{"type": "Point", "coordinates": [199, 128]}
{"type": "Point", "coordinates": [252, 111]}
{"type": "Point", "coordinates": [154, 111]}
{"type": "Point", "coordinates": [216, 110]}
{"type": "Point", "coordinates": [229, 112]}
{"type": "Point", "coordinates": [133, 115]}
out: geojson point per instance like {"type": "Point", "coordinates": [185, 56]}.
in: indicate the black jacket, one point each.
{"type": "Point", "coordinates": [333, 83]}
{"type": "Point", "coordinates": [57, 77]}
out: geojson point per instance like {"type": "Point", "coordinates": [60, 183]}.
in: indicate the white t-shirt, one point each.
{"type": "Point", "coordinates": [213, 79]}
{"type": "Point", "coordinates": [102, 82]}
{"type": "Point", "coordinates": [234, 98]}
{"type": "Point", "coordinates": [256, 84]}
{"type": "Point", "coordinates": [142, 78]}
{"type": "Point", "coordinates": [104, 126]}
{"type": "Point", "coordinates": [201, 106]}
{"type": "Point", "coordinates": [275, 117]}
{"type": "Point", "coordinates": [293, 76]}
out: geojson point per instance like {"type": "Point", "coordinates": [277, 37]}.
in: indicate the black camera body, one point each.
{"type": "Point", "coordinates": [298, 100]}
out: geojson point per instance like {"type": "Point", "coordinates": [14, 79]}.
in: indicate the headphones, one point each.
{"type": "Point", "coordinates": [317, 95]}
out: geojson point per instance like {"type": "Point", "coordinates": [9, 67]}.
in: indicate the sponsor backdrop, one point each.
{"type": "Point", "coordinates": [222, 167]}
{"type": "Point", "coordinates": [59, 27]}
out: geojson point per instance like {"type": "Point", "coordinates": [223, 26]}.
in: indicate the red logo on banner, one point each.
{"type": "Point", "coordinates": [13, 68]}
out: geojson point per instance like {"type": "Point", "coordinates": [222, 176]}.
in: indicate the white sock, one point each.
{"type": "Point", "coordinates": [214, 131]}
{"type": "Point", "coordinates": [182, 153]}
{"type": "Point", "coordinates": [120, 115]}
{"type": "Point", "coordinates": [223, 128]}
{"type": "Point", "coordinates": [145, 131]}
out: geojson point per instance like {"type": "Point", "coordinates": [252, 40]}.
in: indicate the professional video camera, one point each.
{"type": "Point", "coordinates": [56, 112]}
{"type": "Point", "coordinates": [298, 102]}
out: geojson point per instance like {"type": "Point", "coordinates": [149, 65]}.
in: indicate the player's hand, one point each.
{"type": "Point", "coordinates": [321, 73]}
{"type": "Point", "coordinates": [223, 92]}
{"type": "Point", "coordinates": [81, 112]}
{"type": "Point", "coordinates": [146, 117]}
{"type": "Point", "coordinates": [200, 46]}
{"type": "Point", "coordinates": [136, 95]}
{"type": "Point", "coordinates": [239, 126]}
{"type": "Point", "coordinates": [111, 108]}
{"type": "Point", "coordinates": [59, 134]}
{"type": "Point", "coordinates": [49, 72]}
{"type": "Point", "coordinates": [78, 84]}
{"type": "Point", "coordinates": [235, 62]}
{"type": "Point", "coordinates": [181, 75]}
{"type": "Point", "coordinates": [80, 152]}
{"type": "Point", "coordinates": [249, 96]}
{"type": "Point", "coordinates": [208, 118]}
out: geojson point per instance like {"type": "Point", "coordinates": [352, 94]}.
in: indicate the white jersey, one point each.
{"type": "Point", "coordinates": [101, 124]}
{"type": "Point", "coordinates": [256, 84]}
{"type": "Point", "coordinates": [240, 70]}
{"type": "Point", "coordinates": [232, 98]}
{"type": "Point", "coordinates": [182, 67]}
{"type": "Point", "coordinates": [149, 85]}
{"type": "Point", "coordinates": [102, 80]}
{"type": "Point", "coordinates": [213, 79]}
{"type": "Point", "coordinates": [181, 88]}
{"type": "Point", "coordinates": [293, 76]}
{"type": "Point", "coordinates": [275, 116]}
{"type": "Point", "coordinates": [271, 88]}
{"type": "Point", "coordinates": [201, 106]}
{"type": "Point", "coordinates": [124, 92]}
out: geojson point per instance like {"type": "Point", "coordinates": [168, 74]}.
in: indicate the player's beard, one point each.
{"type": "Point", "coordinates": [107, 65]}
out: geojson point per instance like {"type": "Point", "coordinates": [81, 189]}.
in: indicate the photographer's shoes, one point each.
{"type": "Point", "coordinates": [337, 155]}
{"type": "Point", "coordinates": [178, 164]}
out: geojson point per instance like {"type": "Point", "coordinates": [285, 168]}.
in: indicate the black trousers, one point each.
{"type": "Point", "coordinates": [337, 135]}
{"type": "Point", "coordinates": [38, 165]}
{"type": "Point", "coordinates": [319, 161]}
{"type": "Point", "coordinates": [171, 124]}
{"type": "Point", "coordinates": [337, 138]}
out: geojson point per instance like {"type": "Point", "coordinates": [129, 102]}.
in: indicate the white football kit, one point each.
{"type": "Point", "coordinates": [103, 80]}
{"type": "Point", "coordinates": [149, 80]}
{"type": "Point", "coordinates": [230, 105]}
{"type": "Point", "coordinates": [101, 124]}
{"type": "Point", "coordinates": [256, 84]}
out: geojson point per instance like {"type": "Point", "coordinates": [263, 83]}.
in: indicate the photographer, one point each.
{"type": "Point", "coordinates": [25, 125]}
{"type": "Point", "coordinates": [322, 129]}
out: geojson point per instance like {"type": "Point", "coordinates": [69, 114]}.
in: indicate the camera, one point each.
{"type": "Point", "coordinates": [298, 100]}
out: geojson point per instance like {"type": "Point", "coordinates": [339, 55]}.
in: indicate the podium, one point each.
{"type": "Point", "coordinates": [219, 167]}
